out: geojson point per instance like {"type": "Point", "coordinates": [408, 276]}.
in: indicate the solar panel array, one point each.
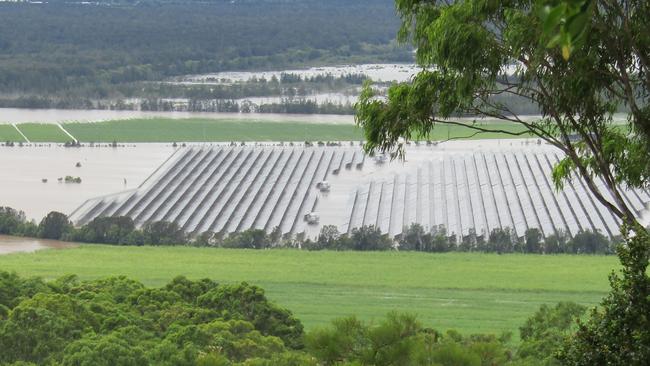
{"type": "Point", "coordinates": [229, 189]}
{"type": "Point", "coordinates": [484, 191]}
{"type": "Point", "coordinates": [235, 188]}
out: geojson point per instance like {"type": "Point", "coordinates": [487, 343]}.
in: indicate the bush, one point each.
{"type": "Point", "coordinates": [401, 340]}
{"type": "Point", "coordinates": [543, 334]}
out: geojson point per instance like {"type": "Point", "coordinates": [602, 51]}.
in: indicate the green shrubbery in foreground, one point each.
{"type": "Point", "coordinates": [118, 321]}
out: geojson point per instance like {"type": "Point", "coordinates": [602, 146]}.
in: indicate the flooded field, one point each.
{"type": "Point", "coordinates": [376, 72]}
{"type": "Point", "coordinates": [19, 115]}
{"type": "Point", "coordinates": [335, 98]}
{"type": "Point", "coordinates": [14, 244]}
{"type": "Point", "coordinates": [103, 170]}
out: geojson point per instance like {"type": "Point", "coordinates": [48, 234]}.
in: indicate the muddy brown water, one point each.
{"type": "Point", "coordinates": [14, 244]}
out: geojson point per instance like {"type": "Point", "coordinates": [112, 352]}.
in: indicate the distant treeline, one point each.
{"type": "Point", "coordinates": [86, 50]}
{"type": "Point", "coordinates": [123, 231]}
{"type": "Point", "coordinates": [293, 90]}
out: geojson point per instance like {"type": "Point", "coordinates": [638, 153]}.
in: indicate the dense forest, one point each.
{"type": "Point", "coordinates": [71, 50]}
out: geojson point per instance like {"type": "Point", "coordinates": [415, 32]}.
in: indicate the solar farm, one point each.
{"type": "Point", "coordinates": [460, 186]}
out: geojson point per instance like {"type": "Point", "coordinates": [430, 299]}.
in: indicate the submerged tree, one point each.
{"type": "Point", "coordinates": [579, 61]}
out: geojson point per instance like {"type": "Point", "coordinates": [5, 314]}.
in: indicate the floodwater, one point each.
{"type": "Point", "coordinates": [15, 244]}
{"type": "Point", "coordinates": [377, 72]}
{"type": "Point", "coordinates": [335, 98]}
{"type": "Point", "coordinates": [19, 115]}
{"type": "Point", "coordinates": [103, 170]}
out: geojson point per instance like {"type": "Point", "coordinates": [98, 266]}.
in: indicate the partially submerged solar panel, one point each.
{"type": "Point", "coordinates": [237, 188]}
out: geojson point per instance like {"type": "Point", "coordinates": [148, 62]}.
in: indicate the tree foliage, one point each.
{"type": "Point", "coordinates": [472, 52]}
{"type": "Point", "coordinates": [579, 61]}
{"type": "Point", "coordinates": [118, 321]}
{"type": "Point", "coordinates": [54, 226]}
{"type": "Point", "coordinates": [85, 50]}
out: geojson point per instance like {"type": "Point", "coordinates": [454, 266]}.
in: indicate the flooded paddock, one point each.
{"type": "Point", "coordinates": [14, 244]}
{"type": "Point", "coordinates": [102, 170]}
{"type": "Point", "coordinates": [376, 72]}
{"type": "Point", "coordinates": [19, 115]}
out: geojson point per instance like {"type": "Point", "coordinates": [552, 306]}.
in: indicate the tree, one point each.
{"type": "Point", "coordinates": [401, 340]}
{"type": "Point", "coordinates": [248, 239]}
{"type": "Point", "coordinates": [249, 303]}
{"type": "Point", "coordinates": [328, 238]}
{"type": "Point", "coordinates": [413, 238]}
{"type": "Point", "coordinates": [477, 54]}
{"type": "Point", "coordinates": [500, 241]}
{"type": "Point", "coordinates": [112, 349]}
{"type": "Point", "coordinates": [617, 333]}
{"type": "Point", "coordinates": [11, 221]}
{"type": "Point", "coordinates": [54, 226]}
{"type": "Point", "coordinates": [41, 326]}
{"type": "Point", "coordinates": [109, 230]}
{"type": "Point", "coordinates": [589, 242]}
{"type": "Point", "coordinates": [544, 333]}
{"type": "Point", "coordinates": [473, 53]}
{"type": "Point", "coordinates": [163, 233]}
{"type": "Point", "coordinates": [369, 238]}
{"type": "Point", "coordinates": [533, 241]}
{"type": "Point", "coordinates": [556, 243]}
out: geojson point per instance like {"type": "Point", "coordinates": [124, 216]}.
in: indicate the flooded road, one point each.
{"type": "Point", "coordinates": [15, 244]}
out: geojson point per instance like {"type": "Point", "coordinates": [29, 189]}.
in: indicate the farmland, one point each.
{"type": "Point", "coordinates": [41, 132]}
{"type": "Point", "coordinates": [199, 130]}
{"type": "Point", "coordinates": [218, 130]}
{"type": "Point", "coordinates": [9, 133]}
{"type": "Point", "coordinates": [465, 291]}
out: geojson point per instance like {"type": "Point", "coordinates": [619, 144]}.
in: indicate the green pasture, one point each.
{"type": "Point", "coordinates": [208, 130]}
{"type": "Point", "coordinates": [9, 133]}
{"type": "Point", "coordinates": [42, 132]}
{"type": "Point", "coordinates": [464, 291]}
{"type": "Point", "coordinates": [223, 130]}
{"type": "Point", "coordinates": [219, 130]}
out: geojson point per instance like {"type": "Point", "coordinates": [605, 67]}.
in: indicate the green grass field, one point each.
{"type": "Point", "coordinates": [467, 292]}
{"type": "Point", "coordinates": [9, 133]}
{"type": "Point", "coordinates": [195, 129]}
{"type": "Point", "coordinates": [169, 130]}
{"type": "Point", "coordinates": [41, 132]}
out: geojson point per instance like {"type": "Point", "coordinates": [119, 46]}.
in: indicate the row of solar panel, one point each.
{"type": "Point", "coordinates": [483, 191]}
{"type": "Point", "coordinates": [230, 189]}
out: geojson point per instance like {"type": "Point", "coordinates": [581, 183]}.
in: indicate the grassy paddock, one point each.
{"type": "Point", "coordinates": [465, 291]}
{"type": "Point", "coordinates": [9, 133]}
{"type": "Point", "coordinates": [216, 130]}
{"type": "Point", "coordinates": [42, 132]}
{"type": "Point", "coordinates": [208, 130]}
